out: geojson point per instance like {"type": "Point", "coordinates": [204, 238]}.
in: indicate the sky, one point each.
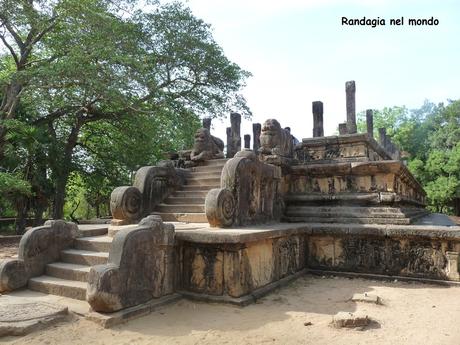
{"type": "Point", "coordinates": [299, 52]}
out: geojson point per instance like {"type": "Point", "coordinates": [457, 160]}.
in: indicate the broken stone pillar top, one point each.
{"type": "Point", "coordinates": [370, 122]}
{"type": "Point", "coordinates": [350, 90]}
{"type": "Point", "coordinates": [207, 123]}
{"type": "Point", "coordinates": [343, 128]}
{"type": "Point", "coordinates": [317, 108]}
{"type": "Point", "coordinates": [247, 141]}
{"type": "Point", "coordinates": [233, 135]}
{"type": "Point", "coordinates": [256, 130]}
{"type": "Point", "coordinates": [383, 137]}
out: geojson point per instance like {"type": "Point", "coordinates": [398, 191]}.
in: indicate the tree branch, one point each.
{"type": "Point", "coordinates": [10, 48]}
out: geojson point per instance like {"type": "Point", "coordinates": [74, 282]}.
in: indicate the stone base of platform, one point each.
{"type": "Point", "coordinates": [234, 265]}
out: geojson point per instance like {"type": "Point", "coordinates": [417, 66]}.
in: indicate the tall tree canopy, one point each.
{"type": "Point", "coordinates": [97, 86]}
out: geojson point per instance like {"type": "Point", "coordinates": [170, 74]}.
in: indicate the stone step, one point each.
{"type": "Point", "coordinates": [64, 270]}
{"type": "Point", "coordinates": [215, 162]}
{"type": "Point", "coordinates": [206, 169]}
{"type": "Point", "coordinates": [96, 243]}
{"type": "Point", "coordinates": [175, 200]}
{"type": "Point", "coordinates": [84, 257]}
{"type": "Point", "coordinates": [87, 230]}
{"type": "Point", "coordinates": [349, 212]}
{"type": "Point", "coordinates": [345, 220]}
{"type": "Point", "coordinates": [204, 174]}
{"type": "Point", "coordinates": [60, 287]}
{"type": "Point", "coordinates": [203, 181]}
{"type": "Point", "coordinates": [183, 217]}
{"type": "Point", "coordinates": [201, 188]}
{"type": "Point", "coordinates": [190, 194]}
{"type": "Point", "coordinates": [185, 208]}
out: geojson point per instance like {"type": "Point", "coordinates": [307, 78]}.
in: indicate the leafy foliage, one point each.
{"type": "Point", "coordinates": [94, 89]}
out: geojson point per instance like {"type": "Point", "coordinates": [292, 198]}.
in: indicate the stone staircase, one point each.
{"type": "Point", "coordinates": [69, 276]}
{"type": "Point", "coordinates": [187, 203]}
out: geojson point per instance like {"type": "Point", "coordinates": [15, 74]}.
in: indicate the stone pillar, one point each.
{"type": "Point", "coordinates": [247, 141]}
{"type": "Point", "coordinates": [317, 108]}
{"type": "Point", "coordinates": [370, 122]}
{"type": "Point", "coordinates": [230, 151]}
{"type": "Point", "coordinates": [343, 128]}
{"type": "Point", "coordinates": [383, 137]}
{"type": "Point", "coordinates": [233, 135]}
{"type": "Point", "coordinates": [207, 123]}
{"type": "Point", "coordinates": [350, 90]}
{"type": "Point", "coordinates": [452, 266]}
{"type": "Point", "coordinates": [256, 130]}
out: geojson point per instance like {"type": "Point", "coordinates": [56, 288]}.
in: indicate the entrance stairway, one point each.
{"type": "Point", "coordinates": [187, 203]}
{"type": "Point", "coordinates": [69, 276]}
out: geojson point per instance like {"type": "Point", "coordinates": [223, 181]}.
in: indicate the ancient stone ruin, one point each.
{"type": "Point", "coordinates": [231, 229]}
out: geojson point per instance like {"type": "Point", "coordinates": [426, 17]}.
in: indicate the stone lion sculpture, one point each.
{"type": "Point", "coordinates": [274, 140]}
{"type": "Point", "coordinates": [206, 146]}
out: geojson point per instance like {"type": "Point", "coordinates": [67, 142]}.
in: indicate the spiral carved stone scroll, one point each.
{"type": "Point", "coordinates": [220, 207]}
{"type": "Point", "coordinates": [126, 203]}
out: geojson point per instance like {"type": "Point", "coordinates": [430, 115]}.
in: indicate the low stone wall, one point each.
{"type": "Point", "coordinates": [232, 265]}
{"type": "Point", "coordinates": [235, 265]}
{"type": "Point", "coordinates": [343, 148]}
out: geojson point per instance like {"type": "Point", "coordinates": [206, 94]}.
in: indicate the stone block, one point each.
{"type": "Point", "coordinates": [366, 298]}
{"type": "Point", "coordinates": [350, 320]}
{"type": "Point", "coordinates": [23, 318]}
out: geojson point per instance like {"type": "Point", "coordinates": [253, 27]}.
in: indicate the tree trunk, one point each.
{"type": "Point", "coordinates": [21, 219]}
{"type": "Point", "coordinates": [7, 110]}
{"type": "Point", "coordinates": [64, 171]}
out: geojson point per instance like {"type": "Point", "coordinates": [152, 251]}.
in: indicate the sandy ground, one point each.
{"type": "Point", "coordinates": [8, 251]}
{"type": "Point", "coordinates": [412, 313]}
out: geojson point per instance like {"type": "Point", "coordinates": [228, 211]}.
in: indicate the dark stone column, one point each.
{"type": "Point", "coordinates": [256, 130]}
{"type": "Point", "coordinates": [230, 151]}
{"type": "Point", "coordinates": [247, 141]}
{"type": "Point", "coordinates": [350, 90]}
{"type": "Point", "coordinates": [370, 122]}
{"type": "Point", "coordinates": [207, 123]}
{"type": "Point", "coordinates": [343, 128]}
{"type": "Point", "coordinates": [317, 108]}
{"type": "Point", "coordinates": [233, 135]}
{"type": "Point", "coordinates": [383, 140]}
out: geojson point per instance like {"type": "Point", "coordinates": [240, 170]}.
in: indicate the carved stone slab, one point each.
{"type": "Point", "coordinates": [23, 318]}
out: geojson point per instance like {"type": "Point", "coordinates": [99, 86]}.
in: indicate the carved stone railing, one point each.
{"type": "Point", "coordinates": [250, 193]}
{"type": "Point", "coordinates": [140, 267]}
{"type": "Point", "coordinates": [38, 247]}
{"type": "Point", "coordinates": [152, 184]}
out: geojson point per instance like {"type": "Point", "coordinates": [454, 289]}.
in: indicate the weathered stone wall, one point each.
{"type": "Point", "coordinates": [238, 269]}
{"type": "Point", "coordinates": [233, 265]}
{"type": "Point", "coordinates": [412, 251]}
{"type": "Point", "coordinates": [383, 181]}
{"type": "Point", "coordinates": [353, 147]}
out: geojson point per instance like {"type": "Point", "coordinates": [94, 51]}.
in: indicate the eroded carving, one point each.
{"type": "Point", "coordinates": [140, 267]}
{"type": "Point", "coordinates": [38, 247]}
{"type": "Point", "coordinates": [206, 146]}
{"type": "Point", "coordinates": [274, 140]}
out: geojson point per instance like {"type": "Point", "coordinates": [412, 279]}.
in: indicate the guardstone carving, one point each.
{"type": "Point", "coordinates": [152, 184]}
{"type": "Point", "coordinates": [38, 247]}
{"type": "Point", "coordinates": [249, 193]}
{"type": "Point", "coordinates": [140, 267]}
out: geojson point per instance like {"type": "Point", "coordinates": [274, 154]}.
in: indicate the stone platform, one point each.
{"type": "Point", "coordinates": [239, 265]}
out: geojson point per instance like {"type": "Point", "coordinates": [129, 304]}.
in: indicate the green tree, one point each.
{"type": "Point", "coordinates": [77, 63]}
